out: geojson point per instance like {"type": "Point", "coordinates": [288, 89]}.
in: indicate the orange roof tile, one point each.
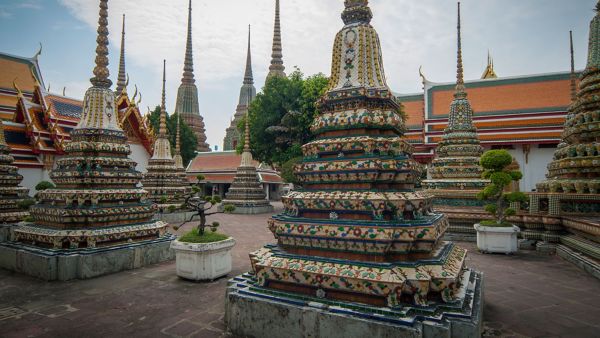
{"type": "Point", "coordinates": [224, 160]}
{"type": "Point", "coordinates": [13, 68]}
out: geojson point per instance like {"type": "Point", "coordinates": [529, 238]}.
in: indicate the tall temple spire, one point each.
{"type": "Point", "coordinates": [187, 95]}
{"type": "Point", "coordinates": [573, 77]}
{"type": "Point", "coordinates": [248, 78]}
{"type": "Point", "coordinates": [460, 81]}
{"type": "Point", "coordinates": [178, 137]}
{"type": "Point", "coordinates": [122, 78]}
{"type": "Point", "coordinates": [188, 68]}
{"type": "Point", "coordinates": [276, 68]}
{"type": "Point", "coordinates": [162, 129]}
{"type": "Point", "coordinates": [247, 94]}
{"type": "Point", "coordinates": [101, 71]}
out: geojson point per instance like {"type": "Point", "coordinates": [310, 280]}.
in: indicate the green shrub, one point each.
{"type": "Point", "coordinates": [43, 185]}
{"type": "Point", "coordinates": [172, 208]}
{"type": "Point", "coordinates": [495, 162]}
{"type": "Point", "coordinates": [207, 237]}
{"type": "Point", "coordinates": [26, 203]}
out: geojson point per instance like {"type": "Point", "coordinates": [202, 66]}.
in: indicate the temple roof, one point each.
{"type": "Point", "coordinates": [221, 166]}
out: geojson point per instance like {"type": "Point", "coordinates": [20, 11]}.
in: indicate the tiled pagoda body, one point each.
{"type": "Point", "coordinates": [246, 193]}
{"type": "Point", "coordinates": [96, 202]}
{"type": "Point", "coordinates": [11, 194]}
{"type": "Point", "coordinates": [573, 180]}
{"type": "Point", "coordinates": [358, 231]}
{"type": "Point", "coordinates": [163, 179]}
{"type": "Point", "coordinates": [455, 172]}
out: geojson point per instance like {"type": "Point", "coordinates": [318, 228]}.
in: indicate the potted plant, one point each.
{"type": "Point", "coordinates": [498, 235]}
{"type": "Point", "coordinates": [202, 254]}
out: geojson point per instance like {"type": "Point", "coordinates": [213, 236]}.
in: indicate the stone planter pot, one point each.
{"type": "Point", "coordinates": [203, 261]}
{"type": "Point", "coordinates": [497, 239]}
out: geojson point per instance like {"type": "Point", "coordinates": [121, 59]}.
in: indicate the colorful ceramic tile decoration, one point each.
{"type": "Point", "coordinates": [11, 194]}
{"type": "Point", "coordinates": [163, 181]}
{"type": "Point", "coordinates": [575, 169]}
{"type": "Point", "coordinates": [96, 202]}
{"type": "Point", "coordinates": [357, 230]}
{"type": "Point", "coordinates": [455, 171]}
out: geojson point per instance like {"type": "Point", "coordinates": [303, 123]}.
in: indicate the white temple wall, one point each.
{"type": "Point", "coordinates": [533, 165]}
{"type": "Point", "coordinates": [33, 176]}
{"type": "Point", "coordinates": [140, 156]}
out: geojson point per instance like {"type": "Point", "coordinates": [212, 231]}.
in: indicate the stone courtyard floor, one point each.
{"type": "Point", "coordinates": [526, 295]}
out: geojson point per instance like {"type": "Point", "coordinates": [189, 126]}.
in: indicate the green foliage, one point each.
{"type": "Point", "coordinates": [215, 224]}
{"type": "Point", "coordinates": [216, 199]}
{"type": "Point", "coordinates": [28, 219]}
{"type": "Point", "coordinates": [287, 170]}
{"type": "Point", "coordinates": [501, 179]}
{"type": "Point", "coordinates": [200, 177]}
{"type": "Point", "coordinates": [208, 237]}
{"type": "Point", "coordinates": [491, 208]}
{"type": "Point", "coordinates": [495, 160]}
{"type": "Point", "coordinates": [26, 203]}
{"type": "Point", "coordinates": [163, 200]}
{"type": "Point", "coordinates": [281, 115]}
{"type": "Point", "coordinates": [43, 185]}
{"type": "Point", "coordinates": [188, 138]}
{"type": "Point", "coordinates": [493, 223]}
{"type": "Point", "coordinates": [172, 208]}
{"type": "Point", "coordinates": [228, 208]}
{"type": "Point", "coordinates": [515, 197]}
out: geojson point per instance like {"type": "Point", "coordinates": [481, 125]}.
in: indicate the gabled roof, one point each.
{"type": "Point", "coordinates": [221, 166]}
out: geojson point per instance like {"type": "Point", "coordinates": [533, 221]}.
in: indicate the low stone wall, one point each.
{"type": "Point", "coordinates": [48, 264]}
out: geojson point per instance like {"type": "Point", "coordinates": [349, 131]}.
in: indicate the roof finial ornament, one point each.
{"type": "Point", "coordinates": [573, 77]}
{"type": "Point", "coordinates": [162, 129]}
{"type": "Point", "coordinates": [19, 92]}
{"type": "Point", "coordinates": [460, 82]}
{"type": "Point", "coordinates": [248, 77]}
{"type": "Point", "coordinates": [64, 90]}
{"type": "Point", "coordinates": [101, 71]}
{"type": "Point", "coordinates": [277, 68]}
{"type": "Point", "coordinates": [122, 79]}
{"type": "Point", "coordinates": [135, 93]}
{"type": "Point", "coordinates": [38, 53]}
{"type": "Point", "coordinates": [423, 78]}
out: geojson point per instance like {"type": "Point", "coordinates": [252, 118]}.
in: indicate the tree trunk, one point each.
{"type": "Point", "coordinates": [202, 223]}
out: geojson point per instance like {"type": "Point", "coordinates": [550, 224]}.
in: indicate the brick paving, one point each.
{"type": "Point", "coordinates": [526, 295]}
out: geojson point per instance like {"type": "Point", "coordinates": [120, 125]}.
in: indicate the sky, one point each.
{"type": "Point", "coordinates": [524, 37]}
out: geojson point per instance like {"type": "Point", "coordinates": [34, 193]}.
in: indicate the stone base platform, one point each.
{"type": "Point", "coordinates": [5, 231]}
{"type": "Point", "coordinates": [49, 264]}
{"type": "Point", "coordinates": [254, 311]}
{"type": "Point", "coordinates": [251, 210]}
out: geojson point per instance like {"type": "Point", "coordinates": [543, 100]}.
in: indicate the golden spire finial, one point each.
{"type": "Point", "coordinates": [101, 71]}
{"type": "Point", "coordinates": [19, 92]}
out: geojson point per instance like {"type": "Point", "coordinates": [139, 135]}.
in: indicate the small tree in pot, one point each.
{"type": "Point", "coordinates": [498, 235]}
{"type": "Point", "coordinates": [495, 163]}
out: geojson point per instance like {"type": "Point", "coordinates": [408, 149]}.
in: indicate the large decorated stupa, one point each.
{"type": "Point", "coordinates": [163, 180]}
{"type": "Point", "coordinates": [359, 250]}
{"type": "Point", "coordinates": [97, 220]}
{"type": "Point", "coordinates": [455, 171]}
{"type": "Point", "coordinates": [11, 194]}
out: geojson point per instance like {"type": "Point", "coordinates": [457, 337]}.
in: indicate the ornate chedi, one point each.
{"type": "Point", "coordinates": [247, 94]}
{"type": "Point", "coordinates": [187, 95]}
{"type": "Point", "coordinates": [246, 193]}
{"type": "Point", "coordinates": [357, 240]}
{"type": "Point", "coordinates": [163, 179]}
{"type": "Point", "coordinates": [567, 203]}
{"type": "Point", "coordinates": [178, 159]}
{"type": "Point", "coordinates": [276, 68]}
{"type": "Point", "coordinates": [455, 172]}
{"type": "Point", "coordinates": [89, 224]}
{"type": "Point", "coordinates": [11, 194]}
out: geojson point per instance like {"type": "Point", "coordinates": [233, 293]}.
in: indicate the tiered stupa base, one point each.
{"type": "Point", "coordinates": [254, 310]}
{"type": "Point", "coordinates": [67, 264]}
{"type": "Point", "coordinates": [246, 193]}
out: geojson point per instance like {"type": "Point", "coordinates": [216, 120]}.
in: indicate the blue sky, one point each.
{"type": "Point", "coordinates": [524, 36]}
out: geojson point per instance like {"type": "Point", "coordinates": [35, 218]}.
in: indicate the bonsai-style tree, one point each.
{"type": "Point", "coordinates": [200, 206]}
{"type": "Point", "coordinates": [494, 163]}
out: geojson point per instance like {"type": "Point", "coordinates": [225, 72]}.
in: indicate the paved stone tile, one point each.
{"type": "Point", "coordinates": [526, 295]}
